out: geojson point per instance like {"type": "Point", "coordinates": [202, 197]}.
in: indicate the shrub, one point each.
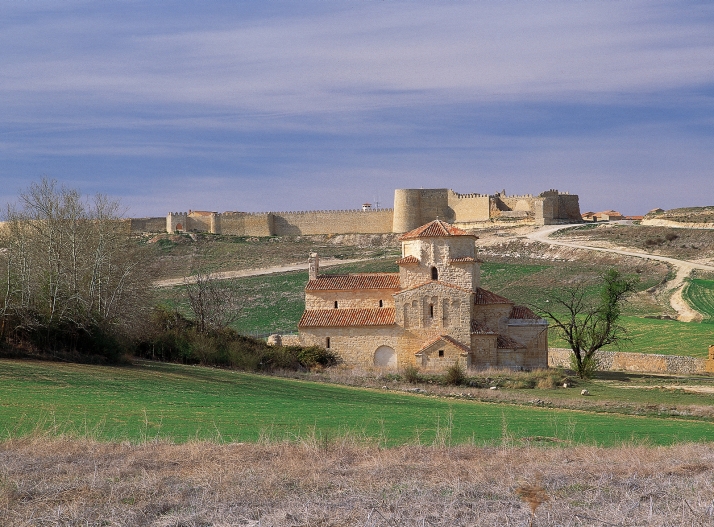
{"type": "Point", "coordinates": [411, 374]}
{"type": "Point", "coordinates": [314, 356]}
{"type": "Point", "coordinates": [455, 375]}
{"type": "Point", "coordinates": [671, 236]}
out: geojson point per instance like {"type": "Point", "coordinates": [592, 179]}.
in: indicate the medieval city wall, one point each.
{"type": "Point", "coordinates": [147, 224]}
{"type": "Point", "coordinates": [245, 224]}
{"type": "Point", "coordinates": [412, 208]}
{"type": "Point", "coordinates": [333, 222]}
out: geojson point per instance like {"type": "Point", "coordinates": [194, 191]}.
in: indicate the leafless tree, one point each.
{"type": "Point", "coordinates": [69, 262]}
{"type": "Point", "coordinates": [215, 303]}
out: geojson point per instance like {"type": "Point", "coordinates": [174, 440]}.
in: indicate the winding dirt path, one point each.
{"type": "Point", "coordinates": [684, 268]}
{"type": "Point", "coordinates": [226, 275]}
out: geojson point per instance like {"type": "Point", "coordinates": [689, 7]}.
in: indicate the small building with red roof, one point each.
{"type": "Point", "coordinates": [430, 314]}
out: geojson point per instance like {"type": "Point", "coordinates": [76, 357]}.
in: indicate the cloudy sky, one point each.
{"type": "Point", "coordinates": [259, 106]}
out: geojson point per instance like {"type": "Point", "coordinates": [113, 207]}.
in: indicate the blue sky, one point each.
{"type": "Point", "coordinates": [261, 106]}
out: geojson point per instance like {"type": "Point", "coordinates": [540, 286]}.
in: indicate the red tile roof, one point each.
{"type": "Point", "coordinates": [434, 229]}
{"type": "Point", "coordinates": [331, 318]}
{"type": "Point", "coordinates": [522, 312]}
{"type": "Point", "coordinates": [445, 338]}
{"type": "Point", "coordinates": [484, 296]}
{"type": "Point", "coordinates": [478, 329]}
{"type": "Point", "coordinates": [408, 260]}
{"type": "Point", "coordinates": [337, 282]}
{"type": "Point", "coordinates": [504, 342]}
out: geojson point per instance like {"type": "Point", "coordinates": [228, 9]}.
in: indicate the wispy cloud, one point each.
{"type": "Point", "coordinates": [356, 96]}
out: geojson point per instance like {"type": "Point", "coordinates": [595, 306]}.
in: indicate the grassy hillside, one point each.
{"type": "Point", "coordinates": [181, 403]}
{"type": "Point", "coordinates": [274, 303]}
{"type": "Point", "coordinates": [700, 295]}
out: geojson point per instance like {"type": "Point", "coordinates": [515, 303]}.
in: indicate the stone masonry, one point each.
{"type": "Point", "coordinates": [431, 314]}
{"type": "Point", "coordinates": [412, 207]}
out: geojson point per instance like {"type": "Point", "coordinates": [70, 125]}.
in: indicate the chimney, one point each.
{"type": "Point", "coordinates": [313, 265]}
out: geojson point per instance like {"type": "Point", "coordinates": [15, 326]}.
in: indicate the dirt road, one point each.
{"type": "Point", "coordinates": [172, 282]}
{"type": "Point", "coordinates": [683, 268]}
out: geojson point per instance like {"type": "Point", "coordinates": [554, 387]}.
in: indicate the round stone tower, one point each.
{"type": "Point", "coordinates": [407, 209]}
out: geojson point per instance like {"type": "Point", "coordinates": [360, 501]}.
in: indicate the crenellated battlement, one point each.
{"type": "Point", "coordinates": [412, 207]}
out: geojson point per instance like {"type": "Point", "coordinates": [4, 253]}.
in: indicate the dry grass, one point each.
{"type": "Point", "coordinates": [62, 482]}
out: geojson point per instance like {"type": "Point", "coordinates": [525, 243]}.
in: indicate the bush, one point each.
{"type": "Point", "coordinates": [174, 338]}
{"type": "Point", "coordinates": [313, 356]}
{"type": "Point", "coordinates": [455, 375]}
{"type": "Point", "coordinates": [671, 236]}
{"type": "Point", "coordinates": [411, 374]}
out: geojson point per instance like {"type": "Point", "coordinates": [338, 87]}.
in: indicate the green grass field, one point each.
{"type": "Point", "coordinates": [180, 403]}
{"type": "Point", "coordinates": [700, 295]}
{"type": "Point", "coordinates": [663, 337]}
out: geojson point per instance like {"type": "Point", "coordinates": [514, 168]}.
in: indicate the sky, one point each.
{"type": "Point", "coordinates": [280, 106]}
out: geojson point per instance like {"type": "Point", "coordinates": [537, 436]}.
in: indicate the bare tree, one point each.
{"type": "Point", "coordinates": [69, 264]}
{"type": "Point", "coordinates": [215, 304]}
{"type": "Point", "coordinates": [588, 325]}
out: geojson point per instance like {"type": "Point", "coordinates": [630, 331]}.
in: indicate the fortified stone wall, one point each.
{"type": "Point", "coordinates": [412, 208]}
{"type": "Point", "coordinates": [147, 224]}
{"type": "Point", "coordinates": [283, 223]}
{"type": "Point", "coordinates": [333, 222]}
{"type": "Point", "coordinates": [246, 224]}
{"type": "Point", "coordinates": [415, 207]}
{"type": "Point", "coordinates": [636, 362]}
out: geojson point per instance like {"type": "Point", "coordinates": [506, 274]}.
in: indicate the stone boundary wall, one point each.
{"type": "Point", "coordinates": [637, 362]}
{"type": "Point", "coordinates": [676, 224]}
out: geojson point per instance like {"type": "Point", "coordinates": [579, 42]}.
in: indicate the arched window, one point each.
{"type": "Point", "coordinates": [335, 304]}
{"type": "Point", "coordinates": [434, 273]}
{"type": "Point", "coordinates": [381, 304]}
{"type": "Point", "coordinates": [431, 310]}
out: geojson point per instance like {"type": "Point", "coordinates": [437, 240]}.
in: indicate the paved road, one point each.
{"type": "Point", "coordinates": [171, 282]}
{"type": "Point", "coordinates": [684, 267]}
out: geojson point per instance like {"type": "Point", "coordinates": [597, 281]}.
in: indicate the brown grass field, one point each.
{"type": "Point", "coordinates": [83, 483]}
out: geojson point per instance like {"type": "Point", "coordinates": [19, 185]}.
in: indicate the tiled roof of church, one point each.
{"type": "Point", "coordinates": [448, 339]}
{"type": "Point", "coordinates": [408, 260]}
{"type": "Point", "coordinates": [522, 312]}
{"type": "Point", "coordinates": [484, 296]}
{"type": "Point", "coordinates": [478, 329]}
{"type": "Point", "coordinates": [331, 318]}
{"type": "Point", "coordinates": [434, 229]}
{"type": "Point", "coordinates": [504, 342]}
{"type": "Point", "coordinates": [336, 282]}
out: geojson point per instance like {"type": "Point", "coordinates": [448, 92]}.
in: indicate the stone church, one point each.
{"type": "Point", "coordinates": [431, 314]}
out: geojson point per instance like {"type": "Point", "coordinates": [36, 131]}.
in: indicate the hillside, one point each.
{"type": "Point", "coordinates": [685, 215]}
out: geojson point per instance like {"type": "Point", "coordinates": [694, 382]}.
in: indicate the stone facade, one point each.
{"type": "Point", "coordinates": [412, 207]}
{"type": "Point", "coordinates": [431, 314]}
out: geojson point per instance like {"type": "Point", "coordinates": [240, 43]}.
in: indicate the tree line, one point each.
{"type": "Point", "coordinates": [77, 286]}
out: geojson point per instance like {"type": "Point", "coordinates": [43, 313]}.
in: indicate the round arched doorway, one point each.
{"type": "Point", "coordinates": [385, 357]}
